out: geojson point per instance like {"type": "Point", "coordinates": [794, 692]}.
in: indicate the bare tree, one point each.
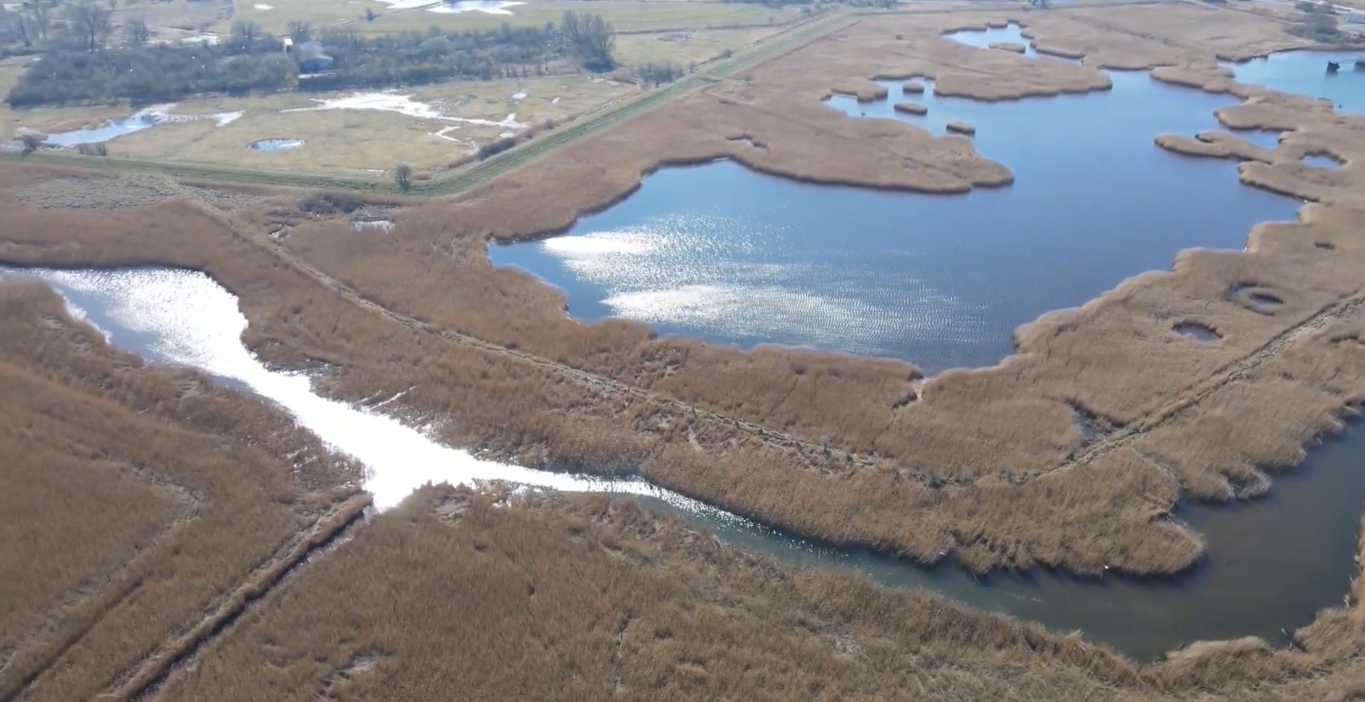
{"type": "Point", "coordinates": [37, 12]}
{"type": "Point", "coordinates": [28, 31]}
{"type": "Point", "coordinates": [136, 32]}
{"type": "Point", "coordinates": [298, 31]}
{"type": "Point", "coordinates": [402, 175]}
{"type": "Point", "coordinates": [91, 22]}
{"type": "Point", "coordinates": [246, 31]}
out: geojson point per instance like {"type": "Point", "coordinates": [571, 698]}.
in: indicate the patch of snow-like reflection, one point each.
{"type": "Point", "coordinates": [185, 318]}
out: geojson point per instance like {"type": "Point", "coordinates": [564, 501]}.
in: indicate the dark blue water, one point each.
{"type": "Point", "coordinates": [734, 257]}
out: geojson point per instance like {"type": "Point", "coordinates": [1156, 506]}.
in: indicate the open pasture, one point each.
{"type": "Point", "coordinates": [343, 133]}
{"type": "Point", "coordinates": [412, 15]}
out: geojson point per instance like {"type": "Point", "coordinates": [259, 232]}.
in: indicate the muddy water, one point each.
{"type": "Point", "coordinates": [1273, 563]}
{"type": "Point", "coordinates": [734, 257]}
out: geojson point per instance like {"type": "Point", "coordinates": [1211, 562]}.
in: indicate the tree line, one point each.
{"type": "Point", "coordinates": [89, 67]}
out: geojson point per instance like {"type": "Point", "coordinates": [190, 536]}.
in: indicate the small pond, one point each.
{"type": "Point", "coordinates": [1321, 162]}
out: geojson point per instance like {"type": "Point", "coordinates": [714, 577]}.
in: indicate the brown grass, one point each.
{"type": "Point", "coordinates": [192, 493]}
{"type": "Point", "coordinates": [489, 597]}
{"type": "Point", "coordinates": [912, 108]}
{"type": "Point", "coordinates": [992, 464]}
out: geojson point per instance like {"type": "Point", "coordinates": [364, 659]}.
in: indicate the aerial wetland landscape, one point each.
{"type": "Point", "coordinates": [673, 349]}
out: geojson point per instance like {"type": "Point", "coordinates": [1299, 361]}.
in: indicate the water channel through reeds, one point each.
{"type": "Point", "coordinates": [1272, 563]}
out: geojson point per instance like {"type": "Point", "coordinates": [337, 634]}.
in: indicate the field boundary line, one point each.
{"type": "Point", "coordinates": [1234, 370]}
{"type": "Point", "coordinates": [296, 549]}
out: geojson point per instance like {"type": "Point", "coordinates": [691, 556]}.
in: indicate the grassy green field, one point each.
{"type": "Point", "coordinates": [344, 142]}
{"type": "Point", "coordinates": [652, 15]}
{"type": "Point", "coordinates": [682, 48]}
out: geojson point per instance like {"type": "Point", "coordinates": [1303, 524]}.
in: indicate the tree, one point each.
{"type": "Point", "coordinates": [299, 32]}
{"type": "Point", "coordinates": [402, 175]}
{"type": "Point", "coordinates": [90, 21]}
{"type": "Point", "coordinates": [369, 15]}
{"type": "Point", "coordinates": [246, 32]}
{"type": "Point", "coordinates": [136, 32]}
{"type": "Point", "coordinates": [31, 142]}
{"type": "Point", "coordinates": [590, 38]}
{"type": "Point", "coordinates": [37, 11]}
{"type": "Point", "coordinates": [24, 26]}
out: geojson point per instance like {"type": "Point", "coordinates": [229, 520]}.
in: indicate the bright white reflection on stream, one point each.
{"type": "Point", "coordinates": [186, 318]}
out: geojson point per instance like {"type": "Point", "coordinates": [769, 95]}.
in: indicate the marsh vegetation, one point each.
{"type": "Point", "coordinates": [1057, 457]}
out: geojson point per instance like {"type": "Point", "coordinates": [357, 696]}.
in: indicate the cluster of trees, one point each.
{"type": "Point", "coordinates": [657, 73]}
{"type": "Point", "coordinates": [86, 24]}
{"type": "Point", "coordinates": [590, 38]}
{"type": "Point", "coordinates": [252, 60]}
{"type": "Point", "coordinates": [1320, 24]}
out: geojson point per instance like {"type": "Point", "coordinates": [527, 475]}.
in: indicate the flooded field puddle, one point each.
{"type": "Point", "coordinates": [276, 144]}
{"type": "Point", "coordinates": [1197, 333]}
{"type": "Point", "coordinates": [488, 7]}
{"type": "Point", "coordinates": [143, 119]}
{"type": "Point", "coordinates": [361, 225]}
{"type": "Point", "coordinates": [730, 256]}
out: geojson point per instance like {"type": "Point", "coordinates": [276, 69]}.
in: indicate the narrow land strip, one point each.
{"type": "Point", "coordinates": [252, 587]}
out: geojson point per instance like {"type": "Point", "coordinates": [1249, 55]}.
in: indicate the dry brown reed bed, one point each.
{"type": "Point", "coordinates": [368, 302]}
{"type": "Point", "coordinates": [1017, 419]}
{"type": "Point", "coordinates": [171, 490]}
{"type": "Point", "coordinates": [483, 596]}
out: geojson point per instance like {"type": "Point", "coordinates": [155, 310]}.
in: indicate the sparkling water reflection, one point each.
{"type": "Point", "coordinates": [185, 318]}
{"type": "Point", "coordinates": [735, 257]}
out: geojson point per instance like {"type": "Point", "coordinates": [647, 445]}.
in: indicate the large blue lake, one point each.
{"type": "Point", "coordinates": [734, 257]}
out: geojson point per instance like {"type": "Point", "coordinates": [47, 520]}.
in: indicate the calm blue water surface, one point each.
{"type": "Point", "coordinates": [1305, 73]}
{"type": "Point", "coordinates": [734, 257]}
